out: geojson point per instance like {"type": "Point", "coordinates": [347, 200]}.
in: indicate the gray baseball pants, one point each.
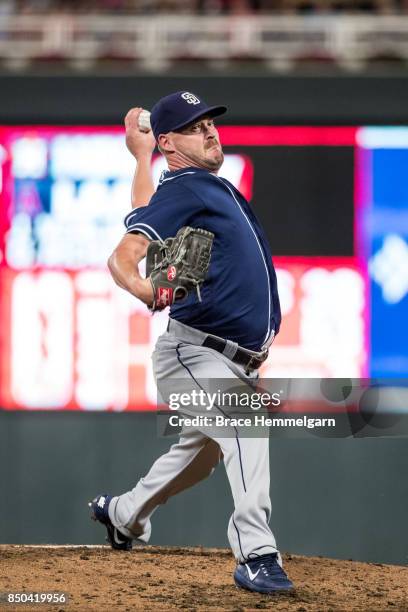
{"type": "Point", "coordinates": [179, 354]}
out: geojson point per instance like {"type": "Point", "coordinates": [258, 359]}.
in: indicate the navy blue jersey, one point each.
{"type": "Point", "coordinates": [239, 296]}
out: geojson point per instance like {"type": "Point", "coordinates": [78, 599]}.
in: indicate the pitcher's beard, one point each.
{"type": "Point", "coordinates": [215, 163]}
{"type": "Point", "coordinates": [212, 163]}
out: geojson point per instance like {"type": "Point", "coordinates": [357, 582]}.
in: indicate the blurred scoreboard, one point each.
{"type": "Point", "coordinates": [74, 340]}
{"type": "Point", "coordinates": [70, 339]}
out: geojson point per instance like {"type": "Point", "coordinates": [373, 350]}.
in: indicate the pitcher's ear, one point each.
{"type": "Point", "coordinates": [165, 143]}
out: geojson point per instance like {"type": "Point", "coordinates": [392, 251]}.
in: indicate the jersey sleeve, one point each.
{"type": "Point", "coordinates": [170, 209]}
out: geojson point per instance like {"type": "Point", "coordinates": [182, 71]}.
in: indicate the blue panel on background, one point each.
{"type": "Point", "coordinates": [386, 238]}
{"type": "Point", "coordinates": [390, 173]}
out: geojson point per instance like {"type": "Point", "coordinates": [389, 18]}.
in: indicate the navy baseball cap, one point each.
{"type": "Point", "coordinates": [177, 110]}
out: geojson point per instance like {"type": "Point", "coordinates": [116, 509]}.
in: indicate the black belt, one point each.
{"type": "Point", "coordinates": [245, 358]}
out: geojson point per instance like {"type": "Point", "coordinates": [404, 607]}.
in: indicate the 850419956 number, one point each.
{"type": "Point", "coordinates": [33, 598]}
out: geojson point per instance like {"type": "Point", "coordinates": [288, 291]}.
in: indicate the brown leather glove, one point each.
{"type": "Point", "coordinates": [178, 265]}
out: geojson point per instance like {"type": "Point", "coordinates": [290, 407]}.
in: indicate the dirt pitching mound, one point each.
{"type": "Point", "coordinates": [155, 578]}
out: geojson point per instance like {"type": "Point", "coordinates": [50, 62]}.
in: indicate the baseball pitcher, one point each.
{"type": "Point", "coordinates": [209, 260]}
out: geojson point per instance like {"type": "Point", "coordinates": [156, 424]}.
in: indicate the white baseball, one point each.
{"type": "Point", "coordinates": [144, 121]}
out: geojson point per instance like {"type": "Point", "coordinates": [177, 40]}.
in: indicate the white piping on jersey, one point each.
{"type": "Point", "coordinates": [171, 178]}
{"type": "Point", "coordinates": [140, 232]}
{"type": "Point", "coordinates": [134, 225]}
{"type": "Point", "coordinates": [128, 218]}
{"type": "Point", "coordinates": [130, 215]}
{"type": "Point", "coordinates": [268, 333]}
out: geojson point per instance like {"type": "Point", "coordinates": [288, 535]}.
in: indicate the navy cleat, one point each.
{"type": "Point", "coordinates": [99, 512]}
{"type": "Point", "coordinates": [263, 575]}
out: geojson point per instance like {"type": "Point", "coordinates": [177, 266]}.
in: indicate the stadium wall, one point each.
{"type": "Point", "coordinates": [342, 498]}
{"type": "Point", "coordinates": [360, 99]}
